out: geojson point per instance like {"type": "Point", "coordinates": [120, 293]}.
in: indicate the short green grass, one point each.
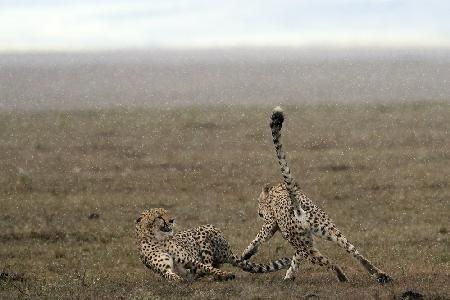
{"type": "Point", "coordinates": [380, 171]}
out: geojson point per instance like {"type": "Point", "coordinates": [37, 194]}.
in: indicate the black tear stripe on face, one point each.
{"type": "Point", "coordinates": [165, 223]}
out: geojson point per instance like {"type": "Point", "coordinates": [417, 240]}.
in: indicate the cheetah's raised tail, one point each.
{"type": "Point", "coordinates": [276, 123]}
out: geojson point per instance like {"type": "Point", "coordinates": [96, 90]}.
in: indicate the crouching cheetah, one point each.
{"type": "Point", "coordinates": [189, 253]}
{"type": "Point", "coordinates": [286, 208]}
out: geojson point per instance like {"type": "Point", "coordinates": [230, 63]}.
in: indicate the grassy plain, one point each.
{"type": "Point", "coordinates": [382, 172]}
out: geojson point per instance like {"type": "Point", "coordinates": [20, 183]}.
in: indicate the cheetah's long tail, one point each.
{"type": "Point", "coordinates": [248, 266]}
{"type": "Point", "coordinates": [276, 124]}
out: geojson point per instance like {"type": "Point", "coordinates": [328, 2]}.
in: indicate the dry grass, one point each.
{"type": "Point", "coordinates": [382, 172]}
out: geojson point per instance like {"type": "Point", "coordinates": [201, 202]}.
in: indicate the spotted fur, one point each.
{"type": "Point", "coordinates": [189, 253]}
{"type": "Point", "coordinates": [286, 208]}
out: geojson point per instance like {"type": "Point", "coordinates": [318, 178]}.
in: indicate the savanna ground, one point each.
{"type": "Point", "coordinates": [72, 184]}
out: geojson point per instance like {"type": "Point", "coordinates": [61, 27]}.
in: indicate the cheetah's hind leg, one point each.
{"type": "Point", "coordinates": [217, 273]}
{"type": "Point", "coordinates": [336, 236]}
{"type": "Point", "coordinates": [293, 269]}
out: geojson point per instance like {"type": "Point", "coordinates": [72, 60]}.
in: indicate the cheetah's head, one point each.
{"type": "Point", "coordinates": [155, 223]}
{"type": "Point", "coordinates": [263, 202]}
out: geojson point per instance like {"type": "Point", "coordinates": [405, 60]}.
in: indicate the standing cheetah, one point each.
{"type": "Point", "coordinates": [286, 208]}
{"type": "Point", "coordinates": [201, 250]}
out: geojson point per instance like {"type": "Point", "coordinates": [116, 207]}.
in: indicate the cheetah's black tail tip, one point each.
{"type": "Point", "coordinates": [277, 117]}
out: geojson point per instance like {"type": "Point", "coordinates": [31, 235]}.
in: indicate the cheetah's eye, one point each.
{"type": "Point", "coordinates": [171, 221]}
{"type": "Point", "coordinates": [138, 219]}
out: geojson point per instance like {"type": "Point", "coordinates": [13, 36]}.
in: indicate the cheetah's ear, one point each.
{"type": "Point", "coordinates": [266, 188]}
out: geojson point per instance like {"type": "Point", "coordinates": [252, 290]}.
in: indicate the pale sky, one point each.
{"type": "Point", "coordinates": [43, 25]}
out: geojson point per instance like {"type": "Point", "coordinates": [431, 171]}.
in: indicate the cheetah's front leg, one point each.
{"type": "Point", "coordinates": [163, 264]}
{"type": "Point", "coordinates": [266, 232]}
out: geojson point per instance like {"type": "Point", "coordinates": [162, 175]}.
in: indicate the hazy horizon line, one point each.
{"type": "Point", "coordinates": [314, 47]}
